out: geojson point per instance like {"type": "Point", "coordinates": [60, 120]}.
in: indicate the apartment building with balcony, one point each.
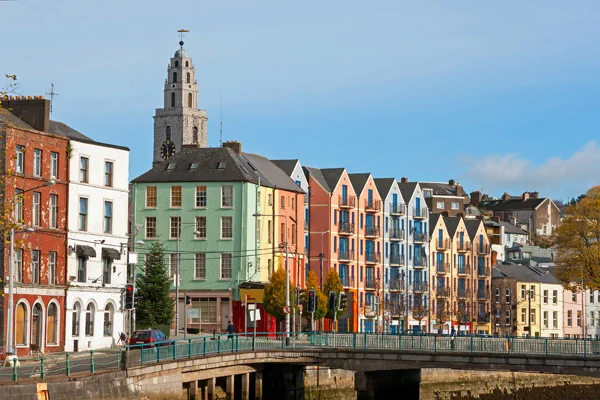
{"type": "Point", "coordinates": [394, 263]}
{"type": "Point", "coordinates": [481, 254]}
{"type": "Point", "coordinates": [444, 295]}
{"type": "Point", "coordinates": [415, 250]}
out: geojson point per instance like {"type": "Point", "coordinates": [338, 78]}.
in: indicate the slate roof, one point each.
{"type": "Point", "coordinates": [511, 204]}
{"type": "Point", "coordinates": [274, 175]}
{"type": "Point", "coordinates": [60, 128]}
{"type": "Point", "coordinates": [440, 189]}
{"type": "Point", "coordinates": [332, 176]}
{"type": "Point", "coordinates": [510, 228]}
{"type": "Point", "coordinates": [359, 181]}
{"type": "Point", "coordinates": [527, 274]}
{"type": "Point", "coordinates": [12, 120]}
{"type": "Point", "coordinates": [407, 189]}
{"type": "Point", "coordinates": [286, 165]}
{"type": "Point", "coordinates": [433, 220]}
{"type": "Point", "coordinates": [317, 175]}
{"type": "Point", "coordinates": [452, 224]}
{"type": "Point", "coordinates": [384, 185]}
{"type": "Point", "coordinates": [472, 227]}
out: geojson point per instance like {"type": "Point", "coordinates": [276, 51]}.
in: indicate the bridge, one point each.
{"type": "Point", "coordinates": [267, 366]}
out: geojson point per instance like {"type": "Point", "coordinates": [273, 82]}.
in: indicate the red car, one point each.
{"type": "Point", "coordinates": [151, 338]}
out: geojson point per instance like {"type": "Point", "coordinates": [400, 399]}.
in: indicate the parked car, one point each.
{"type": "Point", "coordinates": [150, 338]}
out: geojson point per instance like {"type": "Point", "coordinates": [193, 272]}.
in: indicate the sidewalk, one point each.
{"type": "Point", "coordinates": [59, 356]}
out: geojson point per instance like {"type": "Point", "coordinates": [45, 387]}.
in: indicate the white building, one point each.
{"type": "Point", "coordinates": [551, 307]}
{"type": "Point", "coordinates": [97, 243]}
{"type": "Point", "coordinates": [592, 306]}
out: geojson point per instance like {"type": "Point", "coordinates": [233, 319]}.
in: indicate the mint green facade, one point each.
{"type": "Point", "coordinates": [242, 246]}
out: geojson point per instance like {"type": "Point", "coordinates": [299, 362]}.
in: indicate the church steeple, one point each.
{"type": "Point", "coordinates": [180, 121]}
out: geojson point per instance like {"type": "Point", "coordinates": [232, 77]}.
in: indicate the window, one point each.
{"type": "Point", "coordinates": [591, 297]}
{"type": "Point", "coordinates": [532, 316]}
{"type": "Point", "coordinates": [190, 98]}
{"type": "Point", "coordinates": [21, 325]}
{"type": "Point", "coordinates": [226, 265]}
{"type": "Point", "coordinates": [592, 319]}
{"type": "Point", "coordinates": [269, 199]}
{"type": "Point", "coordinates": [294, 234]}
{"type": "Point", "coordinates": [574, 297]}
{"type": "Point", "coordinates": [173, 265]}
{"type": "Point", "coordinates": [497, 294]}
{"type": "Point", "coordinates": [578, 318]}
{"type": "Point", "coordinates": [52, 268]}
{"type": "Point", "coordinates": [108, 319]}
{"type": "Point", "coordinates": [106, 275]}
{"type": "Point", "coordinates": [176, 64]}
{"type": "Point", "coordinates": [226, 227]}
{"type": "Point", "coordinates": [172, 102]}
{"type": "Point", "coordinates": [36, 212]}
{"type": "Point", "coordinates": [282, 233]}
{"type": "Point", "coordinates": [555, 319]}
{"type": "Point", "coordinates": [168, 129]}
{"type": "Point", "coordinates": [89, 320]}
{"type": "Point", "coordinates": [75, 320]}
{"type": "Point", "coordinates": [174, 77]}
{"type": "Point", "coordinates": [569, 318]}
{"type": "Point", "coordinates": [200, 228]}
{"type": "Point", "coordinates": [427, 193]}
{"type": "Point", "coordinates": [19, 265]}
{"type": "Point", "coordinates": [523, 314]}
{"type": "Point", "coordinates": [175, 230]}
{"type": "Point", "coordinates": [108, 209]}
{"type": "Point", "coordinates": [200, 196]}
{"type": "Point", "coordinates": [195, 135]}
{"type": "Point", "coordinates": [150, 196]}
{"type": "Point", "coordinates": [523, 289]}
{"type": "Point", "coordinates": [83, 212]}
{"type": "Point", "coordinates": [187, 76]}
{"type": "Point", "coordinates": [175, 196]}
{"type": "Point", "coordinates": [81, 269]}
{"type": "Point", "coordinates": [226, 196]}
{"type": "Point", "coordinates": [282, 203]}
{"type": "Point", "coordinates": [53, 165]}
{"type": "Point", "coordinates": [35, 266]}
{"type": "Point", "coordinates": [455, 205]}
{"type": "Point", "coordinates": [20, 163]}
{"type": "Point", "coordinates": [37, 162]}
{"type": "Point", "coordinates": [84, 169]}
{"type": "Point", "coordinates": [269, 240]}
{"type": "Point", "coordinates": [150, 227]}
{"type": "Point", "coordinates": [439, 205]}
{"type": "Point", "coordinates": [507, 317]}
{"type": "Point", "coordinates": [108, 173]}
{"type": "Point", "coordinates": [293, 204]}
{"type": "Point", "coordinates": [545, 319]}
{"type": "Point", "coordinates": [18, 211]}
{"type": "Point", "coordinates": [200, 266]}
{"type": "Point", "coordinates": [507, 295]}
{"type": "Point", "coordinates": [545, 297]}
{"type": "Point", "coordinates": [555, 297]}
{"type": "Point", "coordinates": [532, 292]}
{"type": "Point", "coordinates": [52, 325]}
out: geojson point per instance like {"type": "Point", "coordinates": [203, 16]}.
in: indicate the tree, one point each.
{"type": "Point", "coordinates": [274, 297]}
{"type": "Point", "coordinates": [578, 242]}
{"type": "Point", "coordinates": [333, 283]}
{"type": "Point", "coordinates": [155, 306]}
{"type": "Point", "coordinates": [321, 310]}
{"type": "Point", "coordinates": [442, 314]}
{"type": "Point", "coordinates": [420, 312]}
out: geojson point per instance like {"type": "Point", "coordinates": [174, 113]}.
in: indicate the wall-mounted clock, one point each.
{"type": "Point", "coordinates": [167, 149]}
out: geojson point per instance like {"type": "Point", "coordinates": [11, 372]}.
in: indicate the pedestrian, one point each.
{"type": "Point", "coordinates": [453, 332]}
{"type": "Point", "coordinates": [230, 330]}
{"type": "Point", "coordinates": [453, 335]}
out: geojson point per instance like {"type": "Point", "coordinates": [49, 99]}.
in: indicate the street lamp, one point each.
{"type": "Point", "coordinates": [287, 275]}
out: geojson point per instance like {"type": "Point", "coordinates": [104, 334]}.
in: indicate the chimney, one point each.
{"type": "Point", "coordinates": [451, 182]}
{"type": "Point", "coordinates": [496, 218]}
{"type": "Point", "coordinates": [404, 179]}
{"type": "Point", "coordinates": [525, 196]}
{"type": "Point", "coordinates": [484, 197]}
{"type": "Point", "coordinates": [33, 111]}
{"type": "Point", "coordinates": [534, 195]}
{"type": "Point", "coordinates": [445, 213]}
{"type": "Point", "coordinates": [476, 197]}
{"type": "Point", "coordinates": [505, 196]}
{"type": "Point", "coordinates": [234, 145]}
{"type": "Point", "coordinates": [494, 258]}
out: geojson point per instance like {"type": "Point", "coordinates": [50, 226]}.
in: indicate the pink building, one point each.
{"type": "Point", "coordinates": [573, 314]}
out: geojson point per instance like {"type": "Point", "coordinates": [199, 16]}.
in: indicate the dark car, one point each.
{"type": "Point", "coordinates": [151, 338]}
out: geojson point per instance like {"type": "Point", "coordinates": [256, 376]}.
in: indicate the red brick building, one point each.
{"type": "Point", "coordinates": [34, 184]}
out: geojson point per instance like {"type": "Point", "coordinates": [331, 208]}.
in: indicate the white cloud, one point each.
{"type": "Point", "coordinates": [512, 171]}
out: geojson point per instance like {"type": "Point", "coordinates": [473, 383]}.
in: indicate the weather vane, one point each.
{"type": "Point", "coordinates": [181, 34]}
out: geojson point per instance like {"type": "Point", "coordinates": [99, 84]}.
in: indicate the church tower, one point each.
{"type": "Point", "coordinates": [180, 122]}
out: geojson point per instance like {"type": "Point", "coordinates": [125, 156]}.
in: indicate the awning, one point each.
{"type": "Point", "coordinates": [113, 254]}
{"type": "Point", "coordinates": [85, 251]}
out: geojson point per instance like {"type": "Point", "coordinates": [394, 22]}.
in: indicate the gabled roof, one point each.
{"type": "Point", "coordinates": [359, 181]}
{"type": "Point", "coordinates": [286, 165]}
{"type": "Point", "coordinates": [318, 176]}
{"type": "Point", "coordinates": [441, 189]}
{"type": "Point", "coordinates": [275, 176]}
{"type": "Point", "coordinates": [407, 189]}
{"type": "Point", "coordinates": [525, 273]}
{"type": "Point", "coordinates": [384, 185]}
{"type": "Point", "coordinates": [433, 220]}
{"type": "Point", "coordinates": [511, 204]}
{"type": "Point", "coordinates": [60, 128]}
{"type": "Point", "coordinates": [512, 229]}
{"type": "Point", "coordinates": [452, 224]}
{"type": "Point", "coordinates": [12, 120]}
{"type": "Point", "coordinates": [332, 176]}
{"type": "Point", "coordinates": [472, 227]}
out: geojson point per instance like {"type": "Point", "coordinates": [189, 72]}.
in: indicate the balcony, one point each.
{"type": "Point", "coordinates": [442, 268]}
{"type": "Point", "coordinates": [373, 206]}
{"type": "Point", "coordinates": [442, 292]}
{"type": "Point", "coordinates": [462, 294]}
{"type": "Point", "coordinates": [464, 269]}
{"type": "Point", "coordinates": [483, 270]}
{"type": "Point", "coordinates": [345, 255]}
{"type": "Point", "coordinates": [347, 281]}
{"type": "Point", "coordinates": [483, 318]}
{"type": "Point", "coordinates": [396, 260]}
{"type": "Point", "coordinates": [372, 231]}
{"type": "Point", "coordinates": [347, 201]}
{"type": "Point", "coordinates": [397, 234]}
{"type": "Point", "coordinates": [372, 257]}
{"type": "Point", "coordinates": [371, 283]}
{"type": "Point", "coordinates": [346, 228]}
{"type": "Point", "coordinates": [420, 287]}
{"type": "Point", "coordinates": [396, 209]}
{"type": "Point", "coordinates": [396, 284]}
{"type": "Point", "coordinates": [483, 248]}
{"type": "Point", "coordinates": [420, 262]}
{"type": "Point", "coordinates": [420, 213]}
{"type": "Point", "coordinates": [463, 247]}
{"type": "Point", "coordinates": [443, 244]}
{"type": "Point", "coordinates": [483, 294]}
{"type": "Point", "coordinates": [419, 237]}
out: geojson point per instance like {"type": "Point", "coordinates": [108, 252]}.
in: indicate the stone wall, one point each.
{"type": "Point", "coordinates": [325, 383]}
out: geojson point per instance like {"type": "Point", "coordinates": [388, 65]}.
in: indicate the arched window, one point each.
{"type": "Point", "coordinates": [75, 320]}
{"type": "Point", "coordinates": [190, 100]}
{"type": "Point", "coordinates": [36, 324]}
{"type": "Point", "coordinates": [52, 325]}
{"type": "Point", "coordinates": [195, 136]}
{"type": "Point", "coordinates": [168, 135]}
{"type": "Point", "coordinates": [21, 328]}
{"type": "Point", "coordinates": [173, 99]}
{"type": "Point", "coordinates": [187, 64]}
{"type": "Point", "coordinates": [176, 63]}
{"type": "Point", "coordinates": [188, 77]}
{"type": "Point", "coordinates": [89, 320]}
{"type": "Point", "coordinates": [174, 77]}
{"type": "Point", "coordinates": [108, 319]}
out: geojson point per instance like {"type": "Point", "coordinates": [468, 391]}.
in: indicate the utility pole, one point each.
{"type": "Point", "coordinates": [529, 309]}
{"type": "Point", "coordinates": [321, 256]}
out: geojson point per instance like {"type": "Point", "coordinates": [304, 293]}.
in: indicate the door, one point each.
{"type": "Point", "coordinates": [36, 326]}
{"type": "Point", "coordinates": [417, 207]}
{"type": "Point", "coordinates": [344, 194]}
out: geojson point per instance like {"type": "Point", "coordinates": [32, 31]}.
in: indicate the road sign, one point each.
{"type": "Point", "coordinates": [300, 308]}
{"type": "Point", "coordinates": [286, 309]}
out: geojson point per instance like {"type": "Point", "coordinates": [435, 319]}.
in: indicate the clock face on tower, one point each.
{"type": "Point", "coordinates": [167, 149]}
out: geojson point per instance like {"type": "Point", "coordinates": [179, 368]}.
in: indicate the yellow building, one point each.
{"type": "Point", "coordinates": [528, 308]}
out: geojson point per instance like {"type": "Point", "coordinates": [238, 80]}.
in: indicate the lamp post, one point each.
{"type": "Point", "coordinates": [178, 272]}
{"type": "Point", "coordinates": [287, 275]}
{"type": "Point", "coordinates": [10, 339]}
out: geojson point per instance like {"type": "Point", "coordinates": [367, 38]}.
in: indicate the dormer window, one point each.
{"type": "Point", "coordinates": [170, 167]}
{"type": "Point", "coordinates": [222, 165]}
{"type": "Point", "coordinates": [194, 166]}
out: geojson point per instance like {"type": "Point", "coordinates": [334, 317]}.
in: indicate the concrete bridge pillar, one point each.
{"type": "Point", "coordinates": [229, 387]}
{"type": "Point", "coordinates": [210, 388]}
{"type": "Point", "coordinates": [379, 385]}
{"type": "Point", "coordinates": [194, 392]}
{"type": "Point", "coordinates": [246, 386]}
{"type": "Point", "coordinates": [258, 387]}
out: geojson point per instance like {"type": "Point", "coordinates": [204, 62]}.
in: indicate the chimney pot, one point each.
{"type": "Point", "coordinates": [451, 182]}
{"type": "Point", "coordinates": [476, 197]}
{"type": "Point", "coordinates": [505, 196]}
{"type": "Point", "coordinates": [404, 179]}
{"type": "Point", "coordinates": [234, 145]}
{"type": "Point", "coordinates": [525, 196]}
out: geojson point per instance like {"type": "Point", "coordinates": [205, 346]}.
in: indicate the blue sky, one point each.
{"type": "Point", "coordinates": [501, 97]}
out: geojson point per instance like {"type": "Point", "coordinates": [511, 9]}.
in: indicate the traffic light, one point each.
{"type": "Point", "coordinates": [129, 297]}
{"type": "Point", "coordinates": [342, 301]}
{"type": "Point", "coordinates": [332, 300]}
{"type": "Point", "coordinates": [302, 298]}
{"type": "Point", "coordinates": [188, 300]}
{"type": "Point", "coordinates": [311, 305]}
